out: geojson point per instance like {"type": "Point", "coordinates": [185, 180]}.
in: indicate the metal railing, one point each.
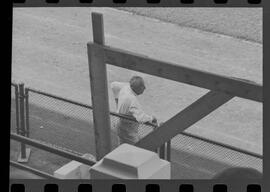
{"type": "Point", "coordinates": [44, 147]}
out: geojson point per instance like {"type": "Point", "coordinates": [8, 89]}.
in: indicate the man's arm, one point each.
{"type": "Point", "coordinates": [116, 101]}
{"type": "Point", "coordinates": [139, 114]}
{"type": "Point", "coordinates": [116, 87]}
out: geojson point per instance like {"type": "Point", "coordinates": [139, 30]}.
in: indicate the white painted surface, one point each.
{"type": "Point", "coordinates": [74, 170]}
{"type": "Point", "coordinates": [130, 162]}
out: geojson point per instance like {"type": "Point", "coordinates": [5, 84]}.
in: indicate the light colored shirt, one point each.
{"type": "Point", "coordinates": [129, 105]}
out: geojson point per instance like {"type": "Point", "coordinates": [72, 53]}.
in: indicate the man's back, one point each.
{"type": "Point", "coordinates": [127, 104]}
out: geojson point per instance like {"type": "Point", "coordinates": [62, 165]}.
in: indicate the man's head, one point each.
{"type": "Point", "coordinates": [137, 84]}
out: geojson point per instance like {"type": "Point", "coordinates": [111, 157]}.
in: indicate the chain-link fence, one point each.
{"type": "Point", "coordinates": [69, 124]}
{"type": "Point", "coordinates": [60, 122]}
{"type": "Point", "coordinates": [66, 124]}
{"type": "Point", "coordinates": [207, 158]}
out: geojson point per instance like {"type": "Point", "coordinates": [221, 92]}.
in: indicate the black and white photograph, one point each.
{"type": "Point", "coordinates": [136, 93]}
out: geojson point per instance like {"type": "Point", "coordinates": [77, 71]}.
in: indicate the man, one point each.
{"type": "Point", "coordinates": [125, 95]}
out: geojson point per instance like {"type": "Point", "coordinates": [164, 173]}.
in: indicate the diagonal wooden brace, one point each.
{"type": "Point", "coordinates": [184, 119]}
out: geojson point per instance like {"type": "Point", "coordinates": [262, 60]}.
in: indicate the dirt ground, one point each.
{"type": "Point", "coordinates": [49, 53]}
{"type": "Point", "coordinates": [240, 22]}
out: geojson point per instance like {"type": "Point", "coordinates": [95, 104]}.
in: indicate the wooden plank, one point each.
{"type": "Point", "coordinates": [98, 28]}
{"type": "Point", "coordinates": [99, 89]}
{"type": "Point", "coordinates": [184, 119]}
{"type": "Point", "coordinates": [228, 85]}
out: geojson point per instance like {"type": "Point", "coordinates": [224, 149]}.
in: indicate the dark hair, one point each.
{"type": "Point", "coordinates": [136, 82]}
{"type": "Point", "coordinates": [238, 173]}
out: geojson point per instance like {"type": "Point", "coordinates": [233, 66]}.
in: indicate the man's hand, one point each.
{"type": "Point", "coordinates": [154, 120]}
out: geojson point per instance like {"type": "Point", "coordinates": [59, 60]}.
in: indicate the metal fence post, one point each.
{"type": "Point", "coordinates": [27, 112]}
{"type": "Point", "coordinates": [25, 152]}
{"type": "Point", "coordinates": [17, 109]}
{"type": "Point", "coordinates": [168, 152]}
{"type": "Point", "coordinates": [162, 151]}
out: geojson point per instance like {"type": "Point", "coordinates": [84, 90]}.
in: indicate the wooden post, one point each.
{"type": "Point", "coordinates": [99, 89]}
{"type": "Point", "coordinates": [184, 119]}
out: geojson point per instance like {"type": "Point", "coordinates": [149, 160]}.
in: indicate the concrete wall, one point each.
{"type": "Point", "coordinates": [243, 23]}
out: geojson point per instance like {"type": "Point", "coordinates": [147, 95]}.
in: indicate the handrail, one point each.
{"type": "Point", "coordinates": [30, 169]}
{"type": "Point", "coordinates": [44, 147]}
{"type": "Point", "coordinates": [83, 105]}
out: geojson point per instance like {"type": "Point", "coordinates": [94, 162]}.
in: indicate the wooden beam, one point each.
{"type": "Point", "coordinates": [184, 119]}
{"type": "Point", "coordinates": [99, 89]}
{"type": "Point", "coordinates": [228, 85]}
{"type": "Point", "coordinates": [98, 28]}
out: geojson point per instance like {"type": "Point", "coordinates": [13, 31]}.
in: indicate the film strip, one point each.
{"type": "Point", "coordinates": [123, 186]}
{"type": "Point", "coordinates": [149, 185]}
{"type": "Point", "coordinates": [138, 3]}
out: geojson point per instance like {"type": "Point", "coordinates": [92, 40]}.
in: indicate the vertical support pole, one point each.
{"type": "Point", "coordinates": [99, 89]}
{"type": "Point", "coordinates": [168, 154]}
{"type": "Point", "coordinates": [162, 151]}
{"type": "Point", "coordinates": [27, 112]}
{"type": "Point", "coordinates": [22, 128]}
{"type": "Point", "coordinates": [17, 109]}
{"type": "Point", "coordinates": [25, 152]}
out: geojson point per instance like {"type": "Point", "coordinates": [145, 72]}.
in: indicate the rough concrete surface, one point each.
{"type": "Point", "coordinates": [243, 23]}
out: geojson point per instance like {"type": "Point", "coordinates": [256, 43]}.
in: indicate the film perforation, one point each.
{"type": "Point", "coordinates": [253, 188]}
{"type": "Point", "coordinates": [18, 1]}
{"type": "Point", "coordinates": [220, 1]}
{"type": "Point", "coordinates": [118, 188]}
{"type": "Point", "coordinates": [254, 1]}
{"type": "Point", "coordinates": [51, 187]}
{"type": "Point", "coordinates": [119, 1]}
{"type": "Point", "coordinates": [86, 1]}
{"type": "Point", "coordinates": [52, 1]}
{"type": "Point", "coordinates": [186, 188]}
{"type": "Point", "coordinates": [220, 188]}
{"type": "Point", "coordinates": [152, 188]}
{"type": "Point", "coordinates": [187, 1]}
{"type": "Point", "coordinates": [153, 1]}
{"type": "Point", "coordinates": [17, 188]}
{"type": "Point", "coordinates": [85, 187]}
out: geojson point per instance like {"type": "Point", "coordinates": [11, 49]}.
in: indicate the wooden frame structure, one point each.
{"type": "Point", "coordinates": [222, 89]}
